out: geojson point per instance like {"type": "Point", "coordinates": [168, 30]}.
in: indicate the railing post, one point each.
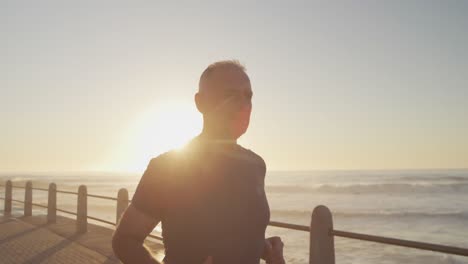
{"type": "Point", "coordinates": [8, 197]}
{"type": "Point", "coordinates": [82, 210]}
{"type": "Point", "coordinates": [322, 247]}
{"type": "Point", "coordinates": [52, 203]}
{"type": "Point", "coordinates": [122, 203]}
{"type": "Point", "coordinates": [28, 199]}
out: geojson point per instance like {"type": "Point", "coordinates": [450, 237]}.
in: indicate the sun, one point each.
{"type": "Point", "coordinates": [160, 128]}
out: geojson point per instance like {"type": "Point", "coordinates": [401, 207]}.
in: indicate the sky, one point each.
{"type": "Point", "coordinates": [338, 85]}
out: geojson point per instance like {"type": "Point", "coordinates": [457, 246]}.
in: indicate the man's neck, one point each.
{"type": "Point", "coordinates": [214, 136]}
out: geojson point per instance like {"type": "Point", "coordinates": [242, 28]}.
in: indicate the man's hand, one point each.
{"type": "Point", "coordinates": [273, 251]}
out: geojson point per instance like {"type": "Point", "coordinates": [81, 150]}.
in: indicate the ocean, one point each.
{"type": "Point", "coordinates": [422, 205]}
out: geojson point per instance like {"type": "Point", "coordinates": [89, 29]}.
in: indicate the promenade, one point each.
{"type": "Point", "coordinates": [30, 239]}
{"type": "Point", "coordinates": [53, 238]}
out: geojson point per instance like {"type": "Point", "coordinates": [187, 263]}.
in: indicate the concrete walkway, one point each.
{"type": "Point", "coordinates": [32, 240]}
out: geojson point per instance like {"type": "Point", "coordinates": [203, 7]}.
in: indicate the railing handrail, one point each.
{"type": "Point", "coordinates": [289, 226]}
{"type": "Point", "coordinates": [321, 246]}
{"type": "Point", "coordinates": [102, 197]}
{"type": "Point", "coordinates": [402, 242]}
{"type": "Point", "coordinates": [66, 192]}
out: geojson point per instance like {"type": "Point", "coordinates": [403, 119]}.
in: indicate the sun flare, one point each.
{"type": "Point", "coordinates": [158, 129]}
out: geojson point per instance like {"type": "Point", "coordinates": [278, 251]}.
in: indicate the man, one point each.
{"type": "Point", "coordinates": [210, 196]}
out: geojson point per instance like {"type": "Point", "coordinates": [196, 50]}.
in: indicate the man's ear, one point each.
{"type": "Point", "coordinates": [200, 103]}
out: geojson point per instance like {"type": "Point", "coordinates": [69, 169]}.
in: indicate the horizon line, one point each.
{"type": "Point", "coordinates": [3, 173]}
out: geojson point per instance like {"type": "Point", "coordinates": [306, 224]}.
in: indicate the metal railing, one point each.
{"type": "Point", "coordinates": [81, 212]}
{"type": "Point", "coordinates": [322, 233]}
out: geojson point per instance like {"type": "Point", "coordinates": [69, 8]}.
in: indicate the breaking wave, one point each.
{"type": "Point", "coordinates": [412, 214]}
{"type": "Point", "coordinates": [372, 188]}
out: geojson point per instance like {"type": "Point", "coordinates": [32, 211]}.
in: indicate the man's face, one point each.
{"type": "Point", "coordinates": [227, 96]}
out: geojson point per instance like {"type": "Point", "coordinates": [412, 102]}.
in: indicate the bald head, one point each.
{"type": "Point", "coordinates": [225, 98]}
{"type": "Point", "coordinates": [223, 75]}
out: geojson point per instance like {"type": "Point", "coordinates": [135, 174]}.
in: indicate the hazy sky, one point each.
{"type": "Point", "coordinates": [337, 85]}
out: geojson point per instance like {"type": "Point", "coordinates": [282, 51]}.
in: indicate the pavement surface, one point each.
{"type": "Point", "coordinates": [33, 240]}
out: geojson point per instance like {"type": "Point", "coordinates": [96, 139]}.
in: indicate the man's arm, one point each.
{"type": "Point", "coordinates": [129, 236]}
{"type": "Point", "coordinates": [140, 218]}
